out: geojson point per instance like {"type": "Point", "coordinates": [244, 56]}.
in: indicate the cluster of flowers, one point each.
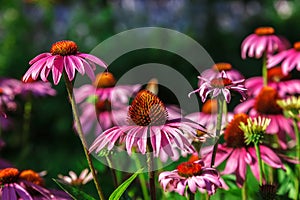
{"type": "Point", "coordinates": [269, 109]}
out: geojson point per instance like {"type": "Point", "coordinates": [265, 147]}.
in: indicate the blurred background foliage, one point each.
{"type": "Point", "coordinates": [29, 27]}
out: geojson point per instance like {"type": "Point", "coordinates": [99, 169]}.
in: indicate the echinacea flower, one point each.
{"type": "Point", "coordinates": [214, 71]}
{"type": "Point", "coordinates": [192, 175]}
{"type": "Point", "coordinates": [103, 104]}
{"type": "Point", "coordinates": [289, 59]}
{"type": "Point", "coordinates": [75, 180]}
{"type": "Point", "coordinates": [148, 124]}
{"type": "Point", "coordinates": [221, 86]}
{"type": "Point", "coordinates": [265, 105]}
{"type": "Point", "coordinates": [63, 57]}
{"type": "Point", "coordinates": [262, 41]}
{"type": "Point", "coordinates": [276, 79]}
{"type": "Point", "coordinates": [238, 154]}
{"type": "Point", "coordinates": [26, 184]}
{"type": "Point", "coordinates": [36, 88]}
{"type": "Point", "coordinates": [291, 107]}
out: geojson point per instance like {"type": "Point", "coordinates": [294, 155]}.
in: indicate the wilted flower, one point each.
{"type": "Point", "coordinates": [148, 124]}
{"type": "Point", "coordinates": [192, 175]}
{"type": "Point", "coordinates": [75, 180]}
{"type": "Point", "coordinates": [263, 40]}
{"type": "Point", "coordinates": [63, 57]}
{"type": "Point", "coordinates": [221, 86]}
{"type": "Point", "coordinates": [289, 59]}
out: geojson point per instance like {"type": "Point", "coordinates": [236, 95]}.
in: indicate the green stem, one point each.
{"type": "Point", "coordinates": [259, 163]}
{"type": "Point", "coordinates": [113, 171]}
{"type": "Point", "coordinates": [69, 87]}
{"type": "Point", "coordinates": [265, 70]}
{"type": "Point", "coordinates": [142, 178]}
{"type": "Point", "coordinates": [244, 191]}
{"type": "Point", "coordinates": [218, 130]}
{"type": "Point", "coordinates": [26, 120]}
{"type": "Point", "coordinates": [297, 179]}
{"type": "Point", "coordinates": [151, 172]}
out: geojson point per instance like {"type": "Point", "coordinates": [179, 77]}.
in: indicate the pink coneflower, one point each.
{"type": "Point", "coordinates": [24, 185]}
{"type": "Point", "coordinates": [36, 88]}
{"type": "Point", "coordinates": [214, 71]}
{"type": "Point", "coordinates": [63, 57]}
{"type": "Point", "coordinates": [238, 155]}
{"type": "Point", "coordinates": [277, 80]}
{"type": "Point", "coordinates": [221, 86]}
{"type": "Point", "coordinates": [265, 105]}
{"type": "Point", "coordinates": [193, 175]}
{"type": "Point", "coordinates": [148, 124]}
{"type": "Point", "coordinates": [289, 59]}
{"type": "Point", "coordinates": [75, 180]}
{"type": "Point", "coordinates": [262, 41]}
{"type": "Point", "coordinates": [103, 104]}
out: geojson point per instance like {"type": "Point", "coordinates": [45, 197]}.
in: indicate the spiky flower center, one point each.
{"type": "Point", "coordinates": [233, 135]}
{"type": "Point", "coordinates": [264, 31]}
{"type": "Point", "coordinates": [9, 175]}
{"type": "Point", "coordinates": [268, 191]}
{"type": "Point", "coordinates": [275, 74]}
{"type": "Point", "coordinates": [266, 101]}
{"type": "Point", "coordinates": [104, 80]}
{"type": "Point", "coordinates": [31, 176]}
{"type": "Point", "coordinates": [64, 48]}
{"type": "Point", "coordinates": [222, 67]}
{"type": "Point", "coordinates": [297, 46]}
{"type": "Point", "coordinates": [220, 82]}
{"type": "Point", "coordinates": [210, 106]}
{"type": "Point", "coordinates": [189, 169]}
{"type": "Point", "coordinates": [147, 109]}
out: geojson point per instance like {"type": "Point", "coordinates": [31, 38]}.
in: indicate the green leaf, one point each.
{"type": "Point", "coordinates": [121, 189]}
{"type": "Point", "coordinates": [74, 192]}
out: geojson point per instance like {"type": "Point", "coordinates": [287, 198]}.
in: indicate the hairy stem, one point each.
{"type": "Point", "coordinates": [142, 178]}
{"type": "Point", "coordinates": [260, 164]}
{"type": "Point", "coordinates": [69, 87]}
{"type": "Point", "coordinates": [297, 179]}
{"type": "Point", "coordinates": [26, 120]}
{"type": "Point", "coordinates": [244, 191]}
{"type": "Point", "coordinates": [151, 172]}
{"type": "Point", "coordinates": [265, 70]}
{"type": "Point", "coordinates": [113, 171]}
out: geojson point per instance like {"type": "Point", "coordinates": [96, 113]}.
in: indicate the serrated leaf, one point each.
{"type": "Point", "coordinates": [74, 192]}
{"type": "Point", "coordinates": [121, 189]}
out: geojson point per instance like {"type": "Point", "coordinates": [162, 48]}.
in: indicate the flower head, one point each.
{"type": "Point", "coordinates": [220, 86]}
{"type": "Point", "coordinates": [26, 184]}
{"type": "Point", "coordinates": [193, 175]}
{"type": "Point", "coordinates": [289, 59]}
{"type": "Point", "coordinates": [75, 180]}
{"type": "Point", "coordinates": [148, 124]}
{"type": "Point", "coordinates": [63, 57]}
{"type": "Point", "coordinates": [291, 107]}
{"type": "Point", "coordinates": [265, 105]}
{"type": "Point", "coordinates": [36, 88]}
{"type": "Point", "coordinates": [255, 129]}
{"type": "Point", "coordinates": [263, 40]}
{"type": "Point", "coordinates": [238, 153]}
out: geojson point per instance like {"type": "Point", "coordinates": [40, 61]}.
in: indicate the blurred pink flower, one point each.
{"type": "Point", "coordinates": [63, 57]}
{"type": "Point", "coordinates": [75, 180]}
{"type": "Point", "coordinates": [221, 86]}
{"type": "Point", "coordinates": [265, 105]}
{"type": "Point", "coordinates": [8, 91]}
{"type": "Point", "coordinates": [276, 79]}
{"type": "Point", "coordinates": [289, 59]}
{"type": "Point", "coordinates": [148, 124]}
{"type": "Point", "coordinates": [214, 71]}
{"type": "Point", "coordinates": [36, 88]}
{"type": "Point", "coordinates": [25, 185]}
{"type": "Point", "coordinates": [238, 155]}
{"type": "Point", "coordinates": [193, 175]}
{"type": "Point", "coordinates": [263, 40]}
